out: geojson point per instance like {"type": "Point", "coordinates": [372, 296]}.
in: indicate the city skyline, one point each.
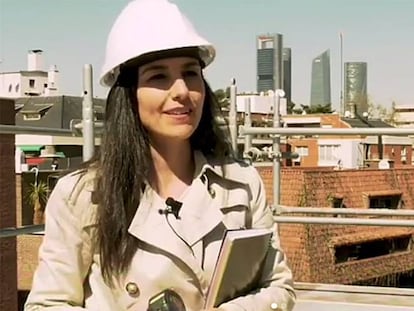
{"type": "Point", "coordinates": [73, 33]}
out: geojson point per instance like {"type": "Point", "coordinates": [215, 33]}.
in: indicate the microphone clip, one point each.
{"type": "Point", "coordinates": [173, 207]}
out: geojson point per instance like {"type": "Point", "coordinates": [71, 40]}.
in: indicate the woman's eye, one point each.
{"type": "Point", "coordinates": [158, 76]}
{"type": "Point", "coordinates": [190, 73]}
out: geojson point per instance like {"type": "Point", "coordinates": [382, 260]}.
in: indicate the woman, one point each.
{"type": "Point", "coordinates": [149, 212]}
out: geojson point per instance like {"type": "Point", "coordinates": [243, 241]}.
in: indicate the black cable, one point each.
{"type": "Point", "coordinates": [181, 238]}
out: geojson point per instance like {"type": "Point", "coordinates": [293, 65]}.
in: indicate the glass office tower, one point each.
{"type": "Point", "coordinates": [321, 80]}
{"type": "Point", "coordinates": [269, 62]}
{"type": "Point", "coordinates": [355, 88]}
{"type": "Point", "coordinates": [287, 73]}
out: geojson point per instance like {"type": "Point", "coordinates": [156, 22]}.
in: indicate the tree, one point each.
{"type": "Point", "coordinates": [37, 196]}
{"type": "Point", "coordinates": [377, 111]}
{"type": "Point", "coordinates": [290, 107]}
{"type": "Point", "coordinates": [314, 109]}
{"type": "Point", "coordinates": [223, 97]}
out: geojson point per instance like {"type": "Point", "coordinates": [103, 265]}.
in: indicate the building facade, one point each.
{"type": "Point", "coordinates": [8, 255]}
{"type": "Point", "coordinates": [403, 116]}
{"type": "Point", "coordinates": [356, 97]}
{"type": "Point", "coordinates": [321, 80]}
{"type": "Point", "coordinates": [287, 74]}
{"type": "Point", "coordinates": [269, 62]}
{"type": "Point", "coordinates": [31, 82]}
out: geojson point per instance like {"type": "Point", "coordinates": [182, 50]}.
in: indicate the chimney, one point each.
{"type": "Point", "coordinates": [35, 60]}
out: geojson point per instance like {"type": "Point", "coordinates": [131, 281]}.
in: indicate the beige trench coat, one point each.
{"type": "Point", "coordinates": [68, 276]}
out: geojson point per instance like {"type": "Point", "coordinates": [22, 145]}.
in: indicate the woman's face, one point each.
{"type": "Point", "coordinates": [170, 97]}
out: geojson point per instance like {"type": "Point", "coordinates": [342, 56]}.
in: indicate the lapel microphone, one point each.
{"type": "Point", "coordinates": [173, 207]}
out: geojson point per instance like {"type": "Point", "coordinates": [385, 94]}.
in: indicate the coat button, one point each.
{"type": "Point", "coordinates": [212, 192]}
{"type": "Point", "coordinates": [275, 307]}
{"type": "Point", "coordinates": [132, 289]}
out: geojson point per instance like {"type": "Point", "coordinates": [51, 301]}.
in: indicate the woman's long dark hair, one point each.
{"type": "Point", "coordinates": [124, 163]}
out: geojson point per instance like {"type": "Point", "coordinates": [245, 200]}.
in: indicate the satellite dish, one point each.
{"type": "Point", "coordinates": [383, 165]}
{"type": "Point", "coordinates": [280, 93]}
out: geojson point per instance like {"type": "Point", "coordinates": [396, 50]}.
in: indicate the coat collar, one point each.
{"type": "Point", "coordinates": [199, 215]}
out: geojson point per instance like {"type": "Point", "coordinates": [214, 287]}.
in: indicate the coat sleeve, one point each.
{"type": "Point", "coordinates": [64, 255]}
{"type": "Point", "coordinates": [275, 292]}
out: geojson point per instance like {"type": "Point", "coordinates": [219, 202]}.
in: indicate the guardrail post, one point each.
{"type": "Point", "coordinates": [247, 123]}
{"type": "Point", "coordinates": [233, 116]}
{"type": "Point", "coordinates": [276, 150]}
{"type": "Point", "coordinates": [88, 114]}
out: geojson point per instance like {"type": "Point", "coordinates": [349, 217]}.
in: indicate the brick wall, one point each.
{"type": "Point", "coordinates": [8, 258]}
{"type": "Point", "coordinates": [27, 253]}
{"type": "Point", "coordinates": [19, 207]}
{"type": "Point", "coordinates": [311, 248]}
{"type": "Point", "coordinates": [393, 153]}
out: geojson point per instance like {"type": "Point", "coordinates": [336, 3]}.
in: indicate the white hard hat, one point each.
{"type": "Point", "coordinates": [148, 26]}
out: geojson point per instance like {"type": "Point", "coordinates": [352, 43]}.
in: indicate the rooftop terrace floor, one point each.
{"type": "Point", "coordinates": [324, 297]}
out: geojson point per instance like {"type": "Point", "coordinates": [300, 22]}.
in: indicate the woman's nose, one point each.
{"type": "Point", "coordinates": [179, 90]}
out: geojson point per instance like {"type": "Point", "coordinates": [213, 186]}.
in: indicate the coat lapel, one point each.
{"type": "Point", "coordinates": [201, 212]}
{"type": "Point", "coordinates": [152, 228]}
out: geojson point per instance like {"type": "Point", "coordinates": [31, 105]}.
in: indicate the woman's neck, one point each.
{"type": "Point", "coordinates": [173, 169]}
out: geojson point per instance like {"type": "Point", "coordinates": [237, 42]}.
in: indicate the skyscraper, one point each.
{"type": "Point", "coordinates": [269, 62]}
{"type": "Point", "coordinates": [356, 87]}
{"type": "Point", "coordinates": [321, 80]}
{"type": "Point", "coordinates": [287, 73]}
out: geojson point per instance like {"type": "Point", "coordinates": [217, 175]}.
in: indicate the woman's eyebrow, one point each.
{"type": "Point", "coordinates": [163, 67]}
{"type": "Point", "coordinates": [191, 64]}
{"type": "Point", "coordinates": [153, 67]}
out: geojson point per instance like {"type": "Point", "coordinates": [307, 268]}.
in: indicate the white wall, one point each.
{"type": "Point", "coordinates": [404, 116]}
{"type": "Point", "coordinates": [10, 84]}
{"type": "Point", "coordinates": [38, 88]}
{"type": "Point", "coordinates": [15, 84]}
{"type": "Point", "coordinates": [260, 104]}
{"type": "Point", "coordinates": [348, 151]}
{"type": "Point", "coordinates": [52, 81]}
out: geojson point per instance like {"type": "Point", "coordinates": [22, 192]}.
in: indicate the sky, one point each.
{"type": "Point", "coordinates": [380, 32]}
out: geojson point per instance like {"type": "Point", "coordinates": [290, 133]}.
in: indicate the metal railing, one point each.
{"type": "Point", "coordinates": [308, 131]}
{"type": "Point", "coordinates": [280, 210]}
{"type": "Point", "coordinates": [15, 129]}
{"type": "Point", "coordinates": [10, 232]}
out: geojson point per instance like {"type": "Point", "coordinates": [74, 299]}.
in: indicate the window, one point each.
{"type": "Point", "coordinates": [31, 83]}
{"type": "Point", "coordinates": [17, 88]}
{"type": "Point", "coordinates": [45, 85]}
{"type": "Point", "coordinates": [10, 88]}
{"type": "Point", "coordinates": [404, 155]}
{"type": "Point", "coordinates": [337, 202]}
{"type": "Point", "coordinates": [303, 151]}
{"type": "Point", "coordinates": [31, 116]}
{"type": "Point", "coordinates": [373, 248]}
{"type": "Point", "coordinates": [390, 201]}
{"type": "Point", "coordinates": [328, 153]}
{"type": "Point", "coordinates": [36, 112]}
